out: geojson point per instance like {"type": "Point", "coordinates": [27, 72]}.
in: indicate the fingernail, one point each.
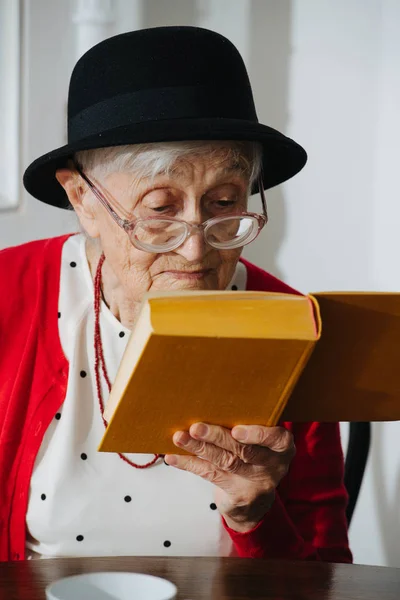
{"type": "Point", "coordinates": [171, 460]}
{"type": "Point", "coordinates": [201, 430]}
{"type": "Point", "coordinates": [240, 433]}
{"type": "Point", "coordinates": [182, 439]}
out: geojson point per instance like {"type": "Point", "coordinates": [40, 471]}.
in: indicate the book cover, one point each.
{"type": "Point", "coordinates": [225, 358]}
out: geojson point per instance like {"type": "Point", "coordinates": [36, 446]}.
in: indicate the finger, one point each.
{"type": "Point", "coordinates": [276, 439]}
{"type": "Point", "coordinates": [201, 468]}
{"type": "Point", "coordinates": [224, 459]}
{"type": "Point", "coordinates": [216, 435]}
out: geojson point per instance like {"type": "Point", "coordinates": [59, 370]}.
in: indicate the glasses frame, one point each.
{"type": "Point", "coordinates": [129, 225]}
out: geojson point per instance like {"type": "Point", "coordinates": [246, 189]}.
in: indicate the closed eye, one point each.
{"type": "Point", "coordinates": [225, 203]}
{"type": "Point", "coordinates": [160, 209]}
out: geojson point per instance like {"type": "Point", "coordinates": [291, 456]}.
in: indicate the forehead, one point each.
{"type": "Point", "coordinates": [202, 167]}
{"type": "Point", "coordinates": [162, 165]}
{"type": "Point", "coordinates": [217, 163]}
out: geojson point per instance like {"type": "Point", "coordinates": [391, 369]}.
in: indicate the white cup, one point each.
{"type": "Point", "coordinates": [111, 586]}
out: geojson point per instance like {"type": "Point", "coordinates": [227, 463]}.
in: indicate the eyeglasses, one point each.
{"type": "Point", "coordinates": [160, 234]}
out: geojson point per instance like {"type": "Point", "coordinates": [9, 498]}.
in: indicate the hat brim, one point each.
{"type": "Point", "coordinates": [282, 157]}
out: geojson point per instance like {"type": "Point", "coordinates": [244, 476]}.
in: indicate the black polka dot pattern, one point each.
{"type": "Point", "coordinates": [43, 497]}
{"type": "Point", "coordinates": [128, 498]}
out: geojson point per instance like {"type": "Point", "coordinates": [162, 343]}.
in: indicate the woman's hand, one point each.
{"type": "Point", "coordinates": [246, 464]}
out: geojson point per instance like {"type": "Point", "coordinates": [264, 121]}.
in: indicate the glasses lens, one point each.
{"type": "Point", "coordinates": [232, 232]}
{"type": "Point", "coordinates": [158, 235]}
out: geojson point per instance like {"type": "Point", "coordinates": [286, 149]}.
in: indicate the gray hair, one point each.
{"type": "Point", "coordinates": [150, 160]}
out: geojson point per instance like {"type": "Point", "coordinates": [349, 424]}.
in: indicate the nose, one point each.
{"type": "Point", "coordinates": [194, 248]}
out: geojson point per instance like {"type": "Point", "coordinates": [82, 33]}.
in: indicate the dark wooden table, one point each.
{"type": "Point", "coordinates": [215, 578]}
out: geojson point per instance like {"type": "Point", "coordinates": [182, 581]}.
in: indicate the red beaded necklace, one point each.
{"type": "Point", "coordinates": [99, 360]}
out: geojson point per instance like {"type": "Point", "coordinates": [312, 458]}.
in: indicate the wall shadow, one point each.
{"type": "Point", "coordinates": [269, 69]}
{"type": "Point", "coordinates": [387, 508]}
{"type": "Point", "coordinates": [173, 12]}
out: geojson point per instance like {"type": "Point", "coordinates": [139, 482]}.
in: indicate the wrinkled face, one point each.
{"type": "Point", "coordinates": [197, 189]}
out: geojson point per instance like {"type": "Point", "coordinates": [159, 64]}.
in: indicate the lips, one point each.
{"type": "Point", "coordinates": [199, 274]}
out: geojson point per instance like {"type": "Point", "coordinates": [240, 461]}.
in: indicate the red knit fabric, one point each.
{"type": "Point", "coordinates": [307, 520]}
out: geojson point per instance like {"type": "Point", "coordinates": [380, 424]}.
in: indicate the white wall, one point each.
{"type": "Point", "coordinates": [341, 225]}
{"type": "Point", "coordinates": [47, 60]}
{"type": "Point", "coordinates": [324, 72]}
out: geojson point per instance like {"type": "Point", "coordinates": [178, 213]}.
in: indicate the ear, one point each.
{"type": "Point", "coordinates": [76, 190]}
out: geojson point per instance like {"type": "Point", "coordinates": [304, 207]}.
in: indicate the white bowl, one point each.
{"type": "Point", "coordinates": [111, 586]}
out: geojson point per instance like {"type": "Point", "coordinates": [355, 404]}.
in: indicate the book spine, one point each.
{"type": "Point", "coordinates": [281, 404]}
{"type": "Point", "coordinates": [283, 400]}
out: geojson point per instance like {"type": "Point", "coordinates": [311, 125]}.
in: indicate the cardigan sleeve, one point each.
{"type": "Point", "coordinates": [308, 518]}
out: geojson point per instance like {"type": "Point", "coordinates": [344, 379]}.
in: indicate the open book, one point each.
{"type": "Point", "coordinates": [232, 358]}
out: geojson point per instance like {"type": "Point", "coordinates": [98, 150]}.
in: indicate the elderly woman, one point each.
{"type": "Point", "coordinates": [164, 149]}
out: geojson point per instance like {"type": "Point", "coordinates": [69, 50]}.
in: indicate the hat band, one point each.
{"type": "Point", "coordinates": [186, 102]}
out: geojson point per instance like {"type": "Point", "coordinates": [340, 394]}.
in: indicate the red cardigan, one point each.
{"type": "Point", "coordinates": [307, 520]}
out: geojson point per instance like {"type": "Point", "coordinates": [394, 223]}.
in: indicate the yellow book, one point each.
{"type": "Point", "coordinates": [232, 358]}
{"type": "Point", "coordinates": [353, 374]}
{"type": "Point", "coordinates": [220, 357]}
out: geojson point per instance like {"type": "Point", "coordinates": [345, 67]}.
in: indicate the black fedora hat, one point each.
{"type": "Point", "coordinates": [157, 85]}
